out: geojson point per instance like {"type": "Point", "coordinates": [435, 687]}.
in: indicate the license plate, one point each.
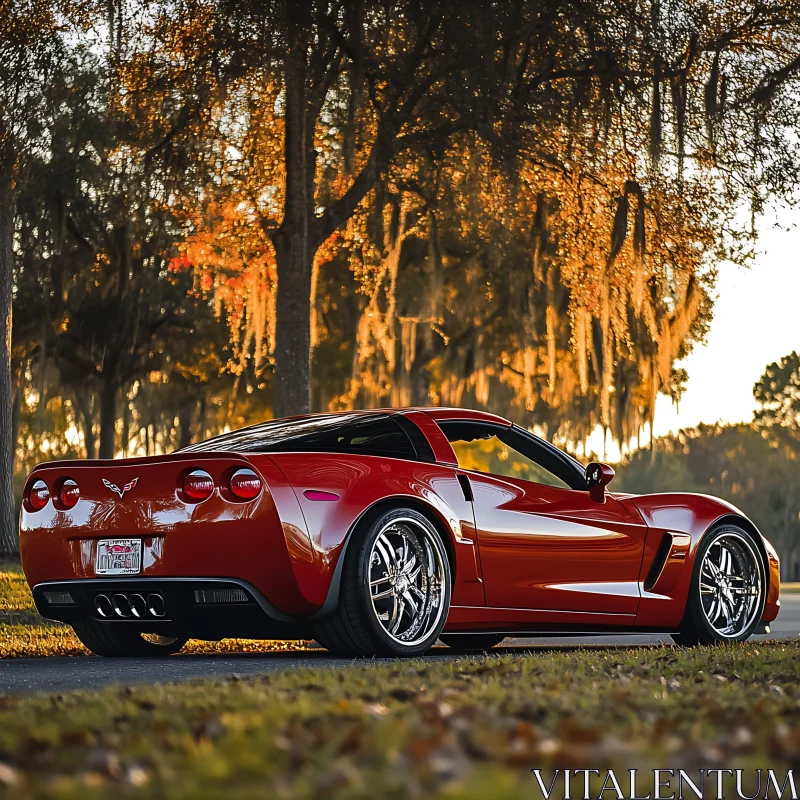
{"type": "Point", "coordinates": [118, 557]}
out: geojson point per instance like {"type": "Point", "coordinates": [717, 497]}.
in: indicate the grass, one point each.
{"type": "Point", "coordinates": [468, 729]}
{"type": "Point", "coordinates": [23, 633]}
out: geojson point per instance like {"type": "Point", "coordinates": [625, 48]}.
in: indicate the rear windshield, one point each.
{"type": "Point", "coordinates": [374, 434]}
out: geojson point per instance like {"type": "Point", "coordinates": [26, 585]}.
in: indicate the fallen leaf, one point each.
{"type": "Point", "coordinates": [104, 763]}
{"type": "Point", "coordinates": [376, 709]}
{"type": "Point", "coordinates": [8, 775]}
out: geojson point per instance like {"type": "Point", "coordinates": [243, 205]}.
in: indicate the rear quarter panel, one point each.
{"type": "Point", "coordinates": [361, 482]}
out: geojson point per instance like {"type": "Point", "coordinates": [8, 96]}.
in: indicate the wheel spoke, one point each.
{"type": "Point", "coordinates": [410, 600]}
{"type": "Point", "coordinates": [707, 588]}
{"type": "Point", "coordinates": [400, 606]}
{"type": "Point", "coordinates": [713, 569]}
{"type": "Point", "coordinates": [410, 564]}
{"type": "Point", "coordinates": [394, 616]}
{"type": "Point", "coordinates": [383, 594]}
{"type": "Point", "coordinates": [387, 553]}
{"type": "Point", "coordinates": [725, 607]}
{"type": "Point", "coordinates": [713, 611]}
{"type": "Point", "coordinates": [404, 559]}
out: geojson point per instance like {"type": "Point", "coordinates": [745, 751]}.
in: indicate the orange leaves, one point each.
{"type": "Point", "coordinates": [234, 263]}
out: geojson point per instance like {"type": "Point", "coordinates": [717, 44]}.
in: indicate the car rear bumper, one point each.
{"type": "Point", "coordinates": [199, 608]}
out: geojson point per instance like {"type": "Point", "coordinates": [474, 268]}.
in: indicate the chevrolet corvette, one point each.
{"type": "Point", "coordinates": [379, 533]}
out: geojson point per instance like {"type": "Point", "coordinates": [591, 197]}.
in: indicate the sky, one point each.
{"type": "Point", "coordinates": [756, 321]}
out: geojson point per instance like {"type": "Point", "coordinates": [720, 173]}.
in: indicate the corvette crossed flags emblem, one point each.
{"type": "Point", "coordinates": [121, 492]}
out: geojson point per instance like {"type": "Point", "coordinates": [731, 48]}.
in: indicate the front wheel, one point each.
{"type": "Point", "coordinates": [119, 640]}
{"type": "Point", "coordinates": [728, 590]}
{"type": "Point", "coordinates": [395, 590]}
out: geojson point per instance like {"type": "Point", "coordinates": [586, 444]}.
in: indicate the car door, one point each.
{"type": "Point", "coordinates": [543, 544]}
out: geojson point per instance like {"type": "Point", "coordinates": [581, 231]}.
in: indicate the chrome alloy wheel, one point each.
{"type": "Point", "coordinates": [406, 576]}
{"type": "Point", "coordinates": [731, 584]}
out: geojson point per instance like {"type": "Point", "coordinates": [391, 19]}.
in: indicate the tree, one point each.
{"type": "Point", "coordinates": [30, 44]}
{"type": "Point", "coordinates": [373, 70]}
{"type": "Point", "coordinates": [737, 463]}
{"type": "Point", "coordinates": [566, 133]}
{"type": "Point", "coordinates": [515, 205]}
{"type": "Point", "coordinates": [778, 396]}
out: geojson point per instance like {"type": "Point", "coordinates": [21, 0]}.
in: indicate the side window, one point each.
{"type": "Point", "coordinates": [363, 434]}
{"type": "Point", "coordinates": [479, 449]}
{"type": "Point", "coordinates": [374, 437]}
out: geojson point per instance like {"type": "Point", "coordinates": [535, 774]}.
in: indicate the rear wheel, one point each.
{"type": "Point", "coordinates": [728, 590]}
{"type": "Point", "coordinates": [471, 642]}
{"type": "Point", "coordinates": [395, 589]}
{"type": "Point", "coordinates": [119, 640]}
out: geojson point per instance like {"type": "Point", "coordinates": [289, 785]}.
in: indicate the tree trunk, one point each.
{"type": "Point", "coordinates": [295, 241]}
{"type": "Point", "coordinates": [126, 425]}
{"type": "Point", "coordinates": [108, 416]}
{"type": "Point", "coordinates": [16, 409]}
{"type": "Point", "coordinates": [293, 330]}
{"type": "Point", "coordinates": [9, 540]}
{"type": "Point", "coordinates": [185, 419]}
{"type": "Point", "coordinates": [84, 404]}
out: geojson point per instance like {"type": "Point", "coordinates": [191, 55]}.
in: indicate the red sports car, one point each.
{"type": "Point", "coordinates": [379, 532]}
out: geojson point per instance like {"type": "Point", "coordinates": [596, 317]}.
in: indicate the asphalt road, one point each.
{"type": "Point", "coordinates": [53, 675]}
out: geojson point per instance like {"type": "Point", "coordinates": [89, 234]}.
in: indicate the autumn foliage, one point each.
{"type": "Point", "coordinates": [227, 210]}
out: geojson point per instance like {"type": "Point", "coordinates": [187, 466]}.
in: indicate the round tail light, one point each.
{"type": "Point", "coordinates": [198, 486]}
{"type": "Point", "coordinates": [38, 495]}
{"type": "Point", "coordinates": [69, 493]}
{"type": "Point", "coordinates": [244, 484]}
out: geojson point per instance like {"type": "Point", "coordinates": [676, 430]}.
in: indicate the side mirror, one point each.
{"type": "Point", "coordinates": [598, 476]}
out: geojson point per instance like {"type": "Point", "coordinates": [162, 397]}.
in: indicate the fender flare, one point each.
{"type": "Point", "coordinates": [429, 511]}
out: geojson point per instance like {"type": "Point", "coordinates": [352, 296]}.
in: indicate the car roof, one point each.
{"type": "Point", "coordinates": [470, 414]}
{"type": "Point", "coordinates": [435, 412]}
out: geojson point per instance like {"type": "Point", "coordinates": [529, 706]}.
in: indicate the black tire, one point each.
{"type": "Point", "coordinates": [354, 629]}
{"type": "Point", "coordinates": [120, 641]}
{"type": "Point", "coordinates": [471, 642]}
{"type": "Point", "coordinates": [695, 628]}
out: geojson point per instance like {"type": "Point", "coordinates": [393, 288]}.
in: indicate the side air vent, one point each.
{"type": "Point", "coordinates": [658, 562]}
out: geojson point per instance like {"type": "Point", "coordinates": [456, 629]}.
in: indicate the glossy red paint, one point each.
{"type": "Point", "coordinates": [464, 414]}
{"type": "Point", "coordinates": [524, 556]}
{"type": "Point", "coordinates": [251, 540]}
{"type": "Point", "coordinates": [557, 549]}
{"type": "Point", "coordinates": [690, 515]}
{"type": "Point", "coordinates": [598, 476]}
{"type": "Point", "coordinates": [363, 482]}
{"type": "Point", "coordinates": [442, 450]}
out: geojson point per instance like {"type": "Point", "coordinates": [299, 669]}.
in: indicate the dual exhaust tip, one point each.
{"type": "Point", "coordinates": [125, 606]}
